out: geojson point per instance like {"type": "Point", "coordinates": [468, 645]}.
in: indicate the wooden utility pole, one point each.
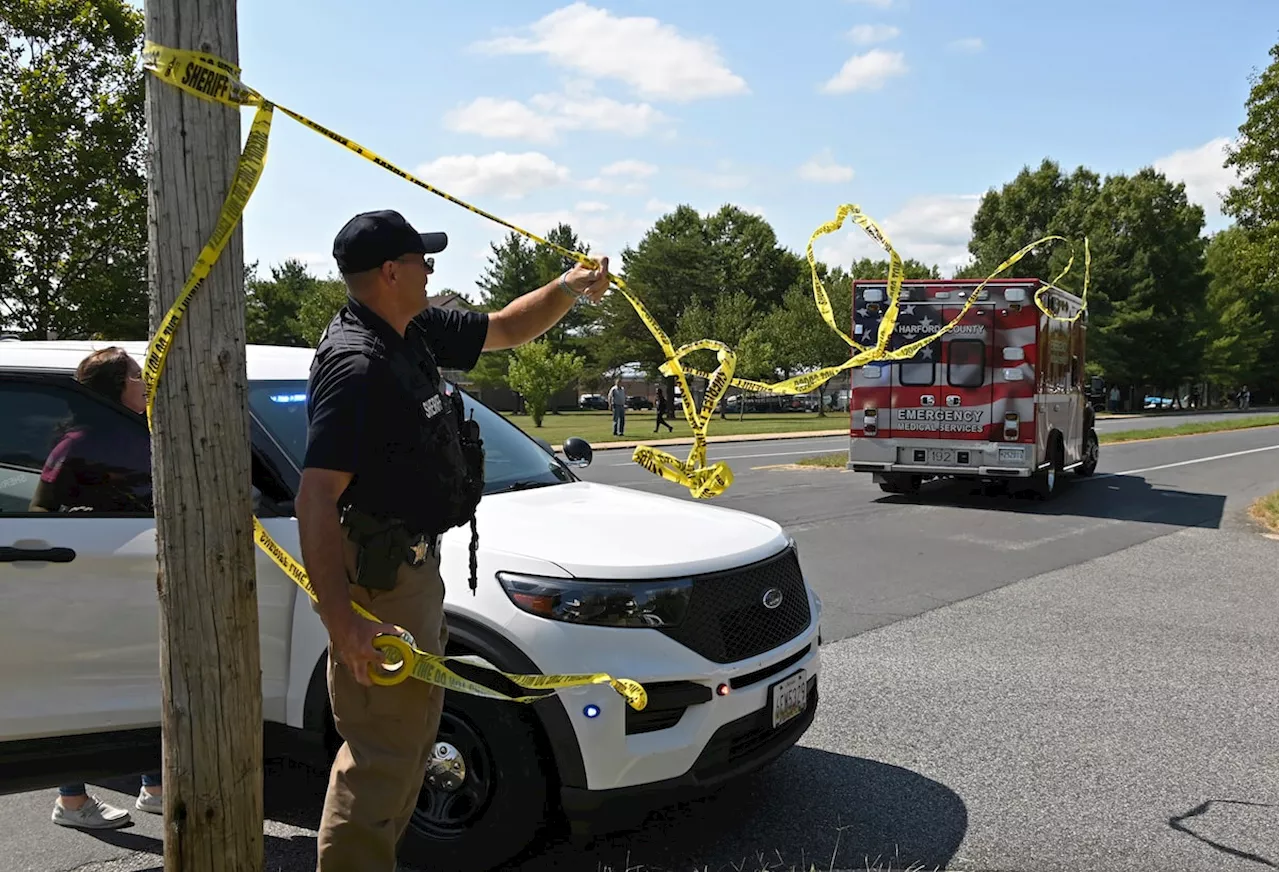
{"type": "Point", "coordinates": [209, 658]}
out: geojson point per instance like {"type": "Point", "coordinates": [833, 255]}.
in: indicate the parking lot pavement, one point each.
{"type": "Point", "coordinates": [1120, 714]}
{"type": "Point", "coordinates": [1089, 683]}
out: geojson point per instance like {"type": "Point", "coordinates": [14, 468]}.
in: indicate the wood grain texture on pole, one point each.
{"type": "Point", "coordinates": [209, 655]}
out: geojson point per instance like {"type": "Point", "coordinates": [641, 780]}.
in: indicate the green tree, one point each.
{"type": "Point", "coordinates": [1243, 260]}
{"type": "Point", "coordinates": [1147, 279]}
{"type": "Point", "coordinates": [730, 320]}
{"type": "Point", "coordinates": [317, 309]}
{"type": "Point", "coordinates": [1037, 203]}
{"type": "Point", "coordinates": [537, 372]}
{"type": "Point", "coordinates": [517, 266]}
{"type": "Point", "coordinates": [1147, 282]}
{"type": "Point", "coordinates": [1253, 201]}
{"type": "Point", "coordinates": [73, 207]}
{"type": "Point", "coordinates": [686, 259]}
{"type": "Point", "coordinates": [1240, 333]}
{"type": "Point", "coordinates": [272, 308]}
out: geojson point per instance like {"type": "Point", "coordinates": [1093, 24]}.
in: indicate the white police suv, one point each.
{"type": "Point", "coordinates": [705, 606]}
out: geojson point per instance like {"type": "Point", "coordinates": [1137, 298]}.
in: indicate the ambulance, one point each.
{"type": "Point", "coordinates": [1000, 397]}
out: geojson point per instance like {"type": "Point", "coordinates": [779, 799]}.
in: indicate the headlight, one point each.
{"type": "Point", "coordinates": [655, 604]}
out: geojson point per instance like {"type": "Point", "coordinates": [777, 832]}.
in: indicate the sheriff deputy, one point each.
{"type": "Point", "coordinates": [390, 464]}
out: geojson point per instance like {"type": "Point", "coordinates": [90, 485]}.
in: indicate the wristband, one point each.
{"type": "Point", "coordinates": [564, 286]}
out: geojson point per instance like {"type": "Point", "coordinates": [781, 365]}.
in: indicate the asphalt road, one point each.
{"type": "Point", "coordinates": [1007, 685]}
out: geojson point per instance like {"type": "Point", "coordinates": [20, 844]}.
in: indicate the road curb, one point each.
{"type": "Point", "coordinates": [745, 437]}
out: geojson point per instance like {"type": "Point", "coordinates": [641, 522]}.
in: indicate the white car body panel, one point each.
{"type": "Point", "coordinates": [92, 626]}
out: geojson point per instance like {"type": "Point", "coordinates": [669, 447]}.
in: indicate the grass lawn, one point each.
{"type": "Point", "coordinates": [838, 460]}
{"type": "Point", "coordinates": [597, 427]}
{"type": "Point", "coordinates": [831, 461]}
{"type": "Point", "coordinates": [1191, 428]}
{"type": "Point", "coordinates": [1265, 511]}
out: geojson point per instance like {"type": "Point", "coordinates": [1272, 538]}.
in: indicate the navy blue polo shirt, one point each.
{"type": "Point", "coordinates": [362, 420]}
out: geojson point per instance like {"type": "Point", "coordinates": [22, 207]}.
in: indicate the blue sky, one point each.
{"type": "Point", "coordinates": [606, 114]}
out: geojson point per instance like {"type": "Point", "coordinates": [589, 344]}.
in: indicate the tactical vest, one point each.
{"type": "Point", "coordinates": [452, 480]}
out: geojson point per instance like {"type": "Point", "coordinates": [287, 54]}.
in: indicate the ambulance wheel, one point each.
{"type": "Point", "coordinates": [1049, 479]}
{"type": "Point", "coordinates": [491, 801]}
{"type": "Point", "coordinates": [900, 483]}
{"type": "Point", "coordinates": [1088, 455]}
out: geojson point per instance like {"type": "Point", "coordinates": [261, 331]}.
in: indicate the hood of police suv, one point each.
{"type": "Point", "coordinates": [598, 531]}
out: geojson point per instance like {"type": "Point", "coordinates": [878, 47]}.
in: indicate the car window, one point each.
{"type": "Point", "coordinates": [63, 450]}
{"type": "Point", "coordinates": [511, 457]}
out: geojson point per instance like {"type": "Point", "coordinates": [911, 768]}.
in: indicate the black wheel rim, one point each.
{"type": "Point", "coordinates": [1091, 451]}
{"type": "Point", "coordinates": [442, 814]}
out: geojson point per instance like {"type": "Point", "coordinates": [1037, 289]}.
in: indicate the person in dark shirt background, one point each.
{"type": "Point", "coordinates": [97, 468]}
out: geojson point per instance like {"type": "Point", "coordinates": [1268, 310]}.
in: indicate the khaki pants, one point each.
{"type": "Point", "coordinates": [388, 732]}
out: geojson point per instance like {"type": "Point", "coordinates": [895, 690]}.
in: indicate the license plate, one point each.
{"type": "Point", "coordinates": [942, 455]}
{"type": "Point", "coordinates": [788, 698]}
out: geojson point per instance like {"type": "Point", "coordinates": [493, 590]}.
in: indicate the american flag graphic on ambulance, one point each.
{"type": "Point", "coordinates": [978, 383]}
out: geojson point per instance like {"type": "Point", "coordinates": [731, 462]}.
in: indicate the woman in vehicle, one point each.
{"type": "Point", "coordinates": [97, 469]}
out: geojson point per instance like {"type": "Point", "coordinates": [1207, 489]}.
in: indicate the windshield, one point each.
{"type": "Point", "coordinates": [511, 459]}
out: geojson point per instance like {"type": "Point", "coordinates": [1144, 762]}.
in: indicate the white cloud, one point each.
{"type": "Point", "coordinates": [635, 168]}
{"type": "Point", "coordinates": [933, 230]}
{"type": "Point", "coordinates": [547, 115]}
{"type": "Point", "coordinates": [1201, 170]}
{"type": "Point", "coordinates": [866, 72]}
{"type": "Point", "coordinates": [653, 58]}
{"type": "Point", "coordinates": [592, 206]}
{"type": "Point", "coordinates": [621, 177]}
{"type": "Point", "coordinates": [971, 44]}
{"type": "Point", "coordinates": [601, 231]}
{"type": "Point", "coordinates": [823, 168]}
{"type": "Point", "coordinates": [868, 34]}
{"type": "Point", "coordinates": [656, 205]}
{"type": "Point", "coordinates": [507, 175]}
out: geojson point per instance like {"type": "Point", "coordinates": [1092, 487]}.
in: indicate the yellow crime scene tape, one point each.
{"type": "Point", "coordinates": [213, 78]}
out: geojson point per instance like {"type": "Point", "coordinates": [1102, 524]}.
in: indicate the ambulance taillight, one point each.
{"type": "Point", "coordinates": [1011, 426]}
{"type": "Point", "coordinates": [870, 421]}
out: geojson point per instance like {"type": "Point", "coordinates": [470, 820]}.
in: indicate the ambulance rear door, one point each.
{"type": "Point", "coordinates": [965, 376]}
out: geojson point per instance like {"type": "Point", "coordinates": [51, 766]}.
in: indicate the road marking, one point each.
{"type": "Point", "coordinates": [1189, 462]}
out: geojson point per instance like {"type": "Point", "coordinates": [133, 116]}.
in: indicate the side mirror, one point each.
{"type": "Point", "coordinates": [578, 451]}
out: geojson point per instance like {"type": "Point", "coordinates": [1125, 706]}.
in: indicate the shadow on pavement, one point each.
{"type": "Point", "coordinates": [1179, 823]}
{"type": "Point", "coordinates": [1114, 497]}
{"type": "Point", "coordinates": [809, 807]}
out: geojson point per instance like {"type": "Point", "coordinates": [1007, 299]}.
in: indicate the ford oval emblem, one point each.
{"type": "Point", "coordinates": [772, 598]}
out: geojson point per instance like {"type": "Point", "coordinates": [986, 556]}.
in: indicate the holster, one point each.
{"type": "Point", "coordinates": [381, 547]}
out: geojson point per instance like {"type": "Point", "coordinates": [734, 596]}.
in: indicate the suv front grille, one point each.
{"type": "Point", "coordinates": [727, 619]}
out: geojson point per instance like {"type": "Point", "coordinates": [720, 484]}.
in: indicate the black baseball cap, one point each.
{"type": "Point", "coordinates": [371, 238]}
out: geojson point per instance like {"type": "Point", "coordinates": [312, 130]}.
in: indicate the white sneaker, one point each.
{"type": "Point", "coordinates": [93, 815]}
{"type": "Point", "coordinates": [148, 803]}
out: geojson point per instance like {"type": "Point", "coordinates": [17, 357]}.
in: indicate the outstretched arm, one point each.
{"type": "Point", "coordinates": [526, 318]}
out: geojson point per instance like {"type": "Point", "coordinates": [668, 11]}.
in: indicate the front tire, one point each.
{"type": "Point", "coordinates": [1088, 455]}
{"type": "Point", "coordinates": [499, 804]}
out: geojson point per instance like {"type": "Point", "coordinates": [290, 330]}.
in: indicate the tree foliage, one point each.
{"type": "Point", "coordinates": [537, 372]}
{"type": "Point", "coordinates": [73, 206]}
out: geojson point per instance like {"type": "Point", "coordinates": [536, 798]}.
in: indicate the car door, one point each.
{"type": "Point", "coordinates": [78, 607]}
